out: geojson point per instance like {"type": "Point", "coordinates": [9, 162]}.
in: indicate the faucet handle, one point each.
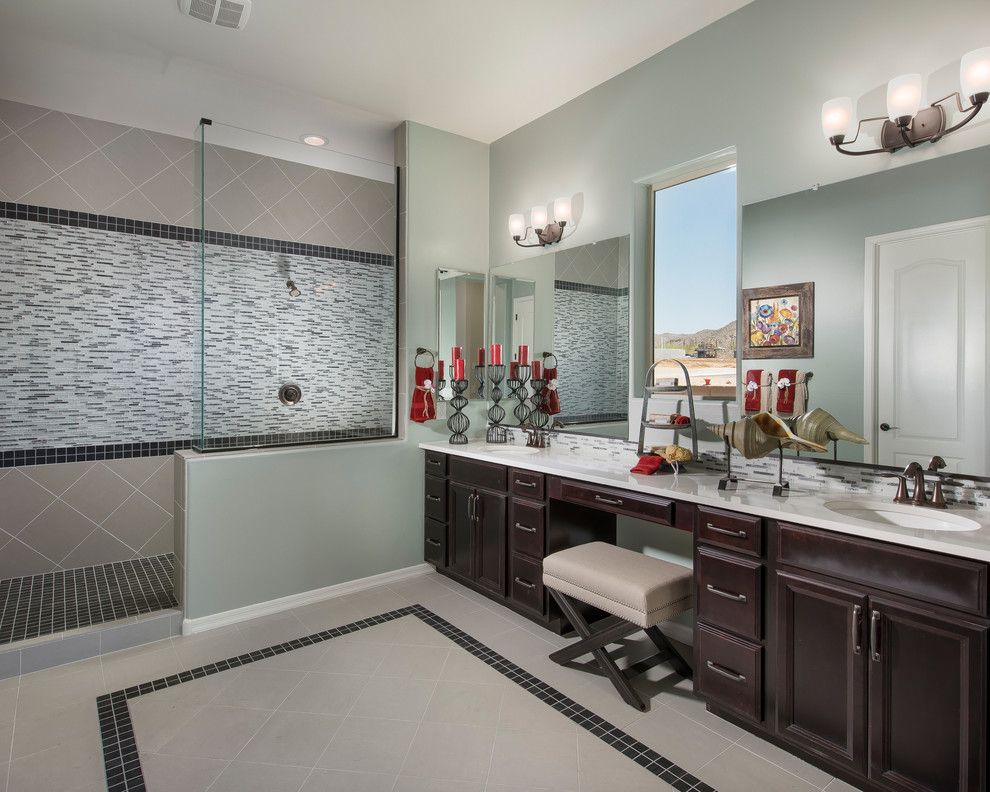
{"type": "Point", "coordinates": [902, 494]}
{"type": "Point", "coordinates": [936, 463]}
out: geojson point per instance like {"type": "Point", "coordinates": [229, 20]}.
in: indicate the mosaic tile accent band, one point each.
{"type": "Point", "coordinates": [58, 601]}
{"type": "Point", "coordinates": [125, 311]}
{"type": "Point", "coordinates": [588, 288]}
{"type": "Point", "coordinates": [122, 760]}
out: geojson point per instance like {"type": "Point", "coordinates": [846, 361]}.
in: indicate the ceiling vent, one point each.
{"type": "Point", "coordinates": [225, 13]}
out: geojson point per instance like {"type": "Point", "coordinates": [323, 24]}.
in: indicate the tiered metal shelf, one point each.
{"type": "Point", "coordinates": [672, 389]}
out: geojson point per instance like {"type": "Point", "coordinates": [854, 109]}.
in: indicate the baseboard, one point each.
{"type": "Point", "coordinates": [222, 619]}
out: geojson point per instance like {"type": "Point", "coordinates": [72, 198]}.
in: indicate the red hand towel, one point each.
{"type": "Point", "coordinates": [423, 408]}
{"type": "Point", "coordinates": [648, 465]}
{"type": "Point", "coordinates": [551, 404]}
{"type": "Point", "coordinates": [753, 395]}
{"type": "Point", "coordinates": [785, 395]}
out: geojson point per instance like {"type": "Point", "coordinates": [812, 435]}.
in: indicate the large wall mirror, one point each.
{"type": "Point", "coordinates": [573, 305]}
{"type": "Point", "coordinates": [899, 264]}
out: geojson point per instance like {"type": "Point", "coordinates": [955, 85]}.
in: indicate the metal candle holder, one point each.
{"type": "Point", "coordinates": [537, 416]}
{"type": "Point", "coordinates": [496, 413]}
{"type": "Point", "coordinates": [441, 384]}
{"type": "Point", "coordinates": [518, 387]}
{"type": "Point", "coordinates": [458, 422]}
{"type": "Point", "coordinates": [479, 372]}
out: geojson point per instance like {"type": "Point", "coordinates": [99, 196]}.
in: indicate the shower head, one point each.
{"type": "Point", "coordinates": [293, 289]}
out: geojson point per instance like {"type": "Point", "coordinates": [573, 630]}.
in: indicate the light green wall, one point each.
{"type": "Point", "coordinates": [267, 525]}
{"type": "Point", "coordinates": [820, 236]}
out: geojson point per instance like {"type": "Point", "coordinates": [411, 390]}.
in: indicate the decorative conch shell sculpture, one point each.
{"type": "Point", "coordinates": [761, 435]}
{"type": "Point", "coordinates": [820, 426]}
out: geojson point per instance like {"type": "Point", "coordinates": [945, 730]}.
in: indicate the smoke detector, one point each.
{"type": "Point", "coordinates": [225, 13]}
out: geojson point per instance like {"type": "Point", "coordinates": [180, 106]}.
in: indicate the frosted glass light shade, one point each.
{"type": "Point", "coordinates": [904, 96]}
{"type": "Point", "coordinates": [837, 117]}
{"type": "Point", "coordinates": [974, 72]}
{"type": "Point", "coordinates": [538, 217]}
{"type": "Point", "coordinates": [562, 210]}
{"type": "Point", "coordinates": [517, 225]}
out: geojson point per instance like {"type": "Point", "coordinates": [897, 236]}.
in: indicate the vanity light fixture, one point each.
{"type": "Point", "coordinates": [907, 122]}
{"type": "Point", "coordinates": [547, 232]}
{"type": "Point", "coordinates": [314, 140]}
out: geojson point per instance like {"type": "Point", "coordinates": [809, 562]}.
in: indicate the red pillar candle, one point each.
{"type": "Point", "coordinates": [523, 355]}
{"type": "Point", "coordinates": [439, 370]}
{"type": "Point", "coordinates": [537, 370]}
{"type": "Point", "coordinates": [481, 356]}
{"type": "Point", "coordinates": [496, 354]}
{"type": "Point", "coordinates": [513, 370]}
{"type": "Point", "coordinates": [455, 353]}
{"type": "Point", "coordinates": [458, 366]}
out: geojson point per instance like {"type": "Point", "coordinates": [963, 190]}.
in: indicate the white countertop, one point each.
{"type": "Point", "coordinates": [806, 507]}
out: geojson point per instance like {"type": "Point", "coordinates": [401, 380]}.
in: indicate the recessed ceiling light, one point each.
{"type": "Point", "coordinates": [314, 140]}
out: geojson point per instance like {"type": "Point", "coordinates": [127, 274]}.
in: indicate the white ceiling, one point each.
{"type": "Point", "coordinates": [473, 67]}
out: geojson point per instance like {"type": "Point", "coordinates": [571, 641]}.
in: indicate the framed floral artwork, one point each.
{"type": "Point", "coordinates": [779, 321]}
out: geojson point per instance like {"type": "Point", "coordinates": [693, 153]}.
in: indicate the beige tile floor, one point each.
{"type": "Point", "coordinates": [394, 707]}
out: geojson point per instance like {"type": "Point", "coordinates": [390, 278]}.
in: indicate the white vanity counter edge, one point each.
{"type": "Point", "coordinates": [805, 507]}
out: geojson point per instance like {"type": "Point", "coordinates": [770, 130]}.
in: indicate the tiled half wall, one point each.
{"type": "Point", "coordinates": [99, 322]}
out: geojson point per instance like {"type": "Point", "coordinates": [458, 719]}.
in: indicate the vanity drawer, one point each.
{"type": "Point", "coordinates": [729, 593]}
{"type": "Point", "coordinates": [527, 484]}
{"type": "Point", "coordinates": [435, 505]}
{"type": "Point", "coordinates": [480, 474]}
{"type": "Point", "coordinates": [526, 583]}
{"type": "Point", "coordinates": [922, 574]}
{"type": "Point", "coordinates": [436, 463]}
{"type": "Point", "coordinates": [658, 510]}
{"type": "Point", "coordinates": [735, 531]}
{"type": "Point", "coordinates": [526, 527]}
{"type": "Point", "coordinates": [435, 543]}
{"type": "Point", "coordinates": [728, 672]}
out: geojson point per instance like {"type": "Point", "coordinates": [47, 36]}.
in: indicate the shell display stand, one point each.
{"type": "Point", "coordinates": [729, 482]}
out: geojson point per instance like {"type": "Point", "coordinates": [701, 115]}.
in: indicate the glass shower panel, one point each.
{"type": "Point", "coordinates": [298, 294]}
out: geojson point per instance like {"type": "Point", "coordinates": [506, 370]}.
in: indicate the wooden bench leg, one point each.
{"type": "Point", "coordinates": [677, 661]}
{"type": "Point", "coordinates": [590, 643]}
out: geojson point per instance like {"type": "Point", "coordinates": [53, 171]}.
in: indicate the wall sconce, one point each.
{"type": "Point", "coordinates": [907, 123]}
{"type": "Point", "coordinates": [547, 233]}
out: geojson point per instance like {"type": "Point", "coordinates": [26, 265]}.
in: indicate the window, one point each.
{"type": "Point", "coordinates": [695, 279]}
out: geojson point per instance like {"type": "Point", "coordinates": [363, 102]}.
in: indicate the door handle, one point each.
{"type": "Point", "coordinates": [726, 531]}
{"type": "Point", "coordinates": [886, 427]}
{"type": "Point", "coordinates": [471, 506]}
{"type": "Point", "coordinates": [609, 501]}
{"type": "Point", "coordinates": [526, 528]}
{"type": "Point", "coordinates": [727, 594]}
{"type": "Point", "coordinates": [875, 636]}
{"type": "Point", "coordinates": [478, 512]}
{"type": "Point", "coordinates": [857, 613]}
{"type": "Point", "coordinates": [723, 671]}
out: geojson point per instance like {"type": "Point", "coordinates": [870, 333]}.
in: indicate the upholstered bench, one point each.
{"type": "Point", "coordinates": [640, 591]}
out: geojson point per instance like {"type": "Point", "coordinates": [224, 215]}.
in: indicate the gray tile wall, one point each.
{"type": "Point", "coordinates": [604, 263]}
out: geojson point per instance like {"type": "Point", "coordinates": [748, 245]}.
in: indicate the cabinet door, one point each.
{"type": "Point", "coordinates": [927, 699]}
{"type": "Point", "coordinates": [821, 668]}
{"type": "Point", "coordinates": [491, 556]}
{"type": "Point", "coordinates": [461, 530]}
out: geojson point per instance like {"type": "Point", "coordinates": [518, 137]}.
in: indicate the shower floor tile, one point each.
{"type": "Point", "coordinates": [39, 605]}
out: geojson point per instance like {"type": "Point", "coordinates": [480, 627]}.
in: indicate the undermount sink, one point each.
{"type": "Point", "coordinates": [903, 516]}
{"type": "Point", "coordinates": [513, 450]}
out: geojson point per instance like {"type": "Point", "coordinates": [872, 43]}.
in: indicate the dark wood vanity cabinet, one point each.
{"type": "Point", "coordinates": [476, 535]}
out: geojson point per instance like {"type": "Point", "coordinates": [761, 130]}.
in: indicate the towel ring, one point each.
{"type": "Point", "coordinates": [549, 355]}
{"type": "Point", "coordinates": [425, 351]}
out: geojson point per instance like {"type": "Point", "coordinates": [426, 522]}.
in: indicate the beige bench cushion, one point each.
{"type": "Point", "coordinates": [630, 585]}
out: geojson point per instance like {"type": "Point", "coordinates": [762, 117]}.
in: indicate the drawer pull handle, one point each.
{"type": "Point", "coordinates": [434, 542]}
{"type": "Point", "coordinates": [434, 498]}
{"type": "Point", "coordinates": [609, 501]}
{"type": "Point", "coordinates": [727, 594]}
{"type": "Point", "coordinates": [433, 462]}
{"type": "Point", "coordinates": [726, 531]}
{"type": "Point", "coordinates": [530, 484]}
{"type": "Point", "coordinates": [723, 671]}
{"type": "Point", "coordinates": [525, 583]}
{"type": "Point", "coordinates": [526, 528]}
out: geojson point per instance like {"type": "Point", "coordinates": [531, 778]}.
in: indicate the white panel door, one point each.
{"type": "Point", "coordinates": [932, 348]}
{"type": "Point", "coordinates": [523, 322]}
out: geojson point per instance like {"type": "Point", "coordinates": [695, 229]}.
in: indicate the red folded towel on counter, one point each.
{"type": "Point", "coordinates": [551, 402]}
{"type": "Point", "coordinates": [423, 407]}
{"type": "Point", "coordinates": [648, 465]}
